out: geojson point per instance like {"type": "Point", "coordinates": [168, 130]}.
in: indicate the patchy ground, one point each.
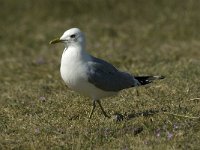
{"type": "Point", "coordinates": [37, 111]}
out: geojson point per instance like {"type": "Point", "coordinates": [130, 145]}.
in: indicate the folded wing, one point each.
{"type": "Point", "coordinates": [106, 77]}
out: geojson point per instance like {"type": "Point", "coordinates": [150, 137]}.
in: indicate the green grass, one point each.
{"type": "Point", "coordinates": [37, 111]}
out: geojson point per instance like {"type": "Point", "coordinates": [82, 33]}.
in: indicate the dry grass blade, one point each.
{"type": "Point", "coordinates": [184, 116]}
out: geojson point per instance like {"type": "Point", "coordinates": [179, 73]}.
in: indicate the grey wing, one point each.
{"type": "Point", "coordinates": [106, 77]}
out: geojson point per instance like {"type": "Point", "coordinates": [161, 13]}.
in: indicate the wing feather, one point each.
{"type": "Point", "coordinates": [106, 77]}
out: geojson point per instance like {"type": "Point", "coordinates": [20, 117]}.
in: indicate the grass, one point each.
{"type": "Point", "coordinates": [37, 111]}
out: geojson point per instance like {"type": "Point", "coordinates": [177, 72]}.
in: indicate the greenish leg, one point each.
{"type": "Point", "coordinates": [93, 108]}
{"type": "Point", "coordinates": [103, 111]}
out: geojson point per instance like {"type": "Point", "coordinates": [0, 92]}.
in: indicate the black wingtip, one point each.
{"type": "Point", "coordinates": [148, 79]}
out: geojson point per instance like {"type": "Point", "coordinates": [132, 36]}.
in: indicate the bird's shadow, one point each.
{"type": "Point", "coordinates": [145, 113]}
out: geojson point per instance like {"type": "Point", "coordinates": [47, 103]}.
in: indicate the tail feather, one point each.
{"type": "Point", "coordinates": [148, 79]}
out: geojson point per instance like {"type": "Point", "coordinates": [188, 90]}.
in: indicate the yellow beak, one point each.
{"type": "Point", "coordinates": [55, 41]}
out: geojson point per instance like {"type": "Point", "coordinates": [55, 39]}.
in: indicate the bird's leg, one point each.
{"type": "Point", "coordinates": [137, 92]}
{"type": "Point", "coordinates": [103, 111]}
{"type": "Point", "coordinates": [93, 108]}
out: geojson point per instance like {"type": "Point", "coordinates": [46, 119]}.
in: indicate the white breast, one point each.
{"type": "Point", "coordinates": [74, 73]}
{"type": "Point", "coordinates": [73, 69]}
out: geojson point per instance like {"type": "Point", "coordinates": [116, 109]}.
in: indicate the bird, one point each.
{"type": "Point", "coordinates": [91, 76]}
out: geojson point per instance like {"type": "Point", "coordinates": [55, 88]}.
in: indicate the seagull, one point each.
{"type": "Point", "coordinates": [92, 76]}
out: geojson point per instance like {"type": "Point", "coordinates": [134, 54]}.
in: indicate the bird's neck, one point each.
{"type": "Point", "coordinates": [74, 53]}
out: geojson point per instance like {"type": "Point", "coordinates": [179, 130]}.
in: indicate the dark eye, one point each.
{"type": "Point", "coordinates": [72, 36]}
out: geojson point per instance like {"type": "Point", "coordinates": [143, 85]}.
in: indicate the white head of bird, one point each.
{"type": "Point", "coordinates": [72, 37]}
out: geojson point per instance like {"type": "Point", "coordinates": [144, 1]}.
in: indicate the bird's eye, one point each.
{"type": "Point", "coordinates": [72, 36]}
